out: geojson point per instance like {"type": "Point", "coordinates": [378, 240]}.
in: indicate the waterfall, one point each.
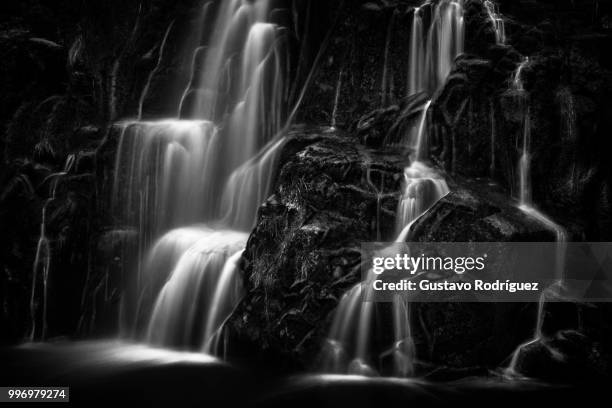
{"type": "Point", "coordinates": [525, 162]}
{"type": "Point", "coordinates": [42, 260]}
{"type": "Point", "coordinates": [497, 21]}
{"type": "Point", "coordinates": [524, 165]}
{"type": "Point", "coordinates": [526, 205]}
{"type": "Point", "coordinates": [191, 186]}
{"type": "Point", "coordinates": [437, 39]}
{"type": "Point", "coordinates": [160, 56]}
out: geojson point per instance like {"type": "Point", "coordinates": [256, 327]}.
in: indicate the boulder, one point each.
{"type": "Point", "coordinates": [304, 252]}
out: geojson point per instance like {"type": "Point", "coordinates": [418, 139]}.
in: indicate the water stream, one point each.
{"type": "Point", "coordinates": [437, 39]}
{"type": "Point", "coordinates": [497, 20]}
{"type": "Point", "coordinates": [527, 206]}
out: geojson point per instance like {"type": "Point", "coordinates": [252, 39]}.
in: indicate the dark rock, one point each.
{"type": "Point", "coordinates": [373, 127]}
{"type": "Point", "coordinates": [364, 63]}
{"type": "Point", "coordinates": [569, 357]}
{"type": "Point", "coordinates": [477, 119]}
{"type": "Point", "coordinates": [477, 212]}
{"type": "Point", "coordinates": [389, 126]}
{"type": "Point", "coordinates": [304, 252]}
{"type": "Point", "coordinates": [85, 137]}
{"type": "Point", "coordinates": [574, 342]}
{"type": "Point", "coordinates": [461, 335]}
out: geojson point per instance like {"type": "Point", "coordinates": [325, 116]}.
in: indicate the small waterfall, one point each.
{"type": "Point", "coordinates": [167, 174]}
{"type": "Point", "coordinates": [524, 160]}
{"type": "Point", "coordinates": [423, 187]}
{"type": "Point", "coordinates": [497, 20]}
{"type": "Point", "coordinates": [348, 348]}
{"type": "Point", "coordinates": [525, 163]}
{"type": "Point", "coordinates": [160, 57]}
{"type": "Point", "coordinates": [191, 186]}
{"type": "Point", "coordinates": [437, 39]}
{"type": "Point", "coordinates": [248, 187]}
{"type": "Point", "coordinates": [42, 260]}
{"type": "Point", "coordinates": [336, 101]}
{"type": "Point", "coordinates": [200, 290]}
{"type": "Point", "coordinates": [526, 205]}
{"type": "Point", "coordinates": [517, 79]}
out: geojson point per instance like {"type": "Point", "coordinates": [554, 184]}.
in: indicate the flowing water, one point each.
{"type": "Point", "coordinates": [191, 185]}
{"type": "Point", "coordinates": [334, 118]}
{"type": "Point", "coordinates": [437, 39]}
{"type": "Point", "coordinates": [497, 20]}
{"type": "Point", "coordinates": [527, 206]}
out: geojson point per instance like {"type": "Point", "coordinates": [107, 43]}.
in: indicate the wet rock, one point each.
{"type": "Point", "coordinates": [373, 127]}
{"type": "Point", "coordinates": [450, 336]}
{"type": "Point", "coordinates": [304, 252]}
{"type": "Point", "coordinates": [389, 126]}
{"type": "Point", "coordinates": [85, 137]}
{"type": "Point", "coordinates": [477, 212]}
{"type": "Point", "coordinates": [574, 342]}
{"type": "Point", "coordinates": [568, 357]}
{"type": "Point", "coordinates": [477, 119]}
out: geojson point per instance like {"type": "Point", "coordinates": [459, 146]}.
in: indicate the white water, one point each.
{"type": "Point", "coordinates": [437, 38]}
{"type": "Point", "coordinates": [526, 205]}
{"type": "Point", "coordinates": [524, 165]}
{"type": "Point", "coordinates": [192, 187]}
{"type": "Point", "coordinates": [435, 43]}
{"type": "Point", "coordinates": [497, 20]}
{"type": "Point", "coordinates": [348, 347]}
{"type": "Point", "coordinates": [334, 118]}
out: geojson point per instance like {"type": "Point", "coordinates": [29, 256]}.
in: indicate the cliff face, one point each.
{"type": "Point", "coordinates": [479, 119]}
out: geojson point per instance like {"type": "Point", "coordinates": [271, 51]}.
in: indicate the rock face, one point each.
{"type": "Point", "coordinates": [450, 336]}
{"type": "Point", "coordinates": [574, 342]}
{"type": "Point", "coordinates": [304, 252]}
{"type": "Point", "coordinates": [477, 212]}
{"type": "Point", "coordinates": [479, 120]}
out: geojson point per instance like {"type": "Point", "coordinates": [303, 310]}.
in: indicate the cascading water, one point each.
{"type": "Point", "coordinates": [497, 20]}
{"type": "Point", "coordinates": [349, 348]}
{"type": "Point", "coordinates": [437, 38]}
{"type": "Point", "coordinates": [191, 187]}
{"type": "Point", "coordinates": [336, 101]}
{"type": "Point", "coordinates": [524, 165]}
{"type": "Point", "coordinates": [526, 205]}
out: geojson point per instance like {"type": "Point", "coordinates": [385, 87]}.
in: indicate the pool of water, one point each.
{"type": "Point", "coordinates": [107, 372]}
